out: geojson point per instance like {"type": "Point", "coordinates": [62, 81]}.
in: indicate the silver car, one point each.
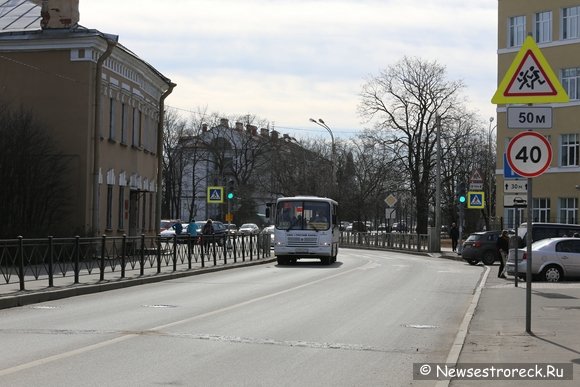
{"type": "Point", "coordinates": [553, 259]}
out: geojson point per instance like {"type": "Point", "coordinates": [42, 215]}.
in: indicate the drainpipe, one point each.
{"type": "Point", "coordinates": [160, 125]}
{"type": "Point", "coordinates": [97, 137]}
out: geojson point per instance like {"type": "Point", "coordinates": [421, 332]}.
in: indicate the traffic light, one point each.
{"type": "Point", "coordinates": [461, 193]}
{"type": "Point", "coordinates": [230, 190]}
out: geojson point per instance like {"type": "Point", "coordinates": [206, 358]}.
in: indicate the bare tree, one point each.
{"type": "Point", "coordinates": [173, 164]}
{"type": "Point", "coordinates": [403, 102]}
{"type": "Point", "coordinates": [34, 194]}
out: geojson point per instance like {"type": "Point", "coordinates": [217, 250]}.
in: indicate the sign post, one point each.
{"type": "Point", "coordinates": [529, 80]}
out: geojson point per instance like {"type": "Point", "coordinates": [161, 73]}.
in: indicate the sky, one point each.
{"type": "Point", "coordinates": [290, 60]}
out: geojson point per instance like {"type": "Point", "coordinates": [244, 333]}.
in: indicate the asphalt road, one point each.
{"type": "Point", "coordinates": [362, 321]}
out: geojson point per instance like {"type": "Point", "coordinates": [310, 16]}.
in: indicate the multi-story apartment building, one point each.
{"type": "Point", "coordinates": [103, 107]}
{"type": "Point", "coordinates": [555, 26]}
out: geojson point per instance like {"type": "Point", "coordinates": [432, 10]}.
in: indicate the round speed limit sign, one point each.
{"type": "Point", "coordinates": [529, 154]}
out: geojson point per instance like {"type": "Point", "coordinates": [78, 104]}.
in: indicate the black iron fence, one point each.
{"type": "Point", "coordinates": [385, 240]}
{"type": "Point", "coordinates": [37, 263]}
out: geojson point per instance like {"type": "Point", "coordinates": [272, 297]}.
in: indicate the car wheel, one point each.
{"type": "Point", "coordinates": [325, 260]}
{"type": "Point", "coordinates": [552, 274]}
{"type": "Point", "coordinates": [283, 260]}
{"type": "Point", "coordinates": [472, 262]}
{"type": "Point", "coordinates": [488, 258]}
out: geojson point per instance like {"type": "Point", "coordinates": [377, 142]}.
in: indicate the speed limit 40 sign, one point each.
{"type": "Point", "coordinates": [529, 154]}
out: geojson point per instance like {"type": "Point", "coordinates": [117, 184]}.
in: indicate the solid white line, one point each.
{"type": "Point", "coordinates": [459, 341]}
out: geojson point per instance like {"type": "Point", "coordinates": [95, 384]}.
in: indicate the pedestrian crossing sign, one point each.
{"type": "Point", "coordinates": [215, 194]}
{"type": "Point", "coordinates": [475, 200]}
{"type": "Point", "coordinates": [529, 79]}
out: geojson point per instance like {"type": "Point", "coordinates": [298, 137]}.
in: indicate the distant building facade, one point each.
{"type": "Point", "coordinates": [103, 106]}
{"type": "Point", "coordinates": [555, 26]}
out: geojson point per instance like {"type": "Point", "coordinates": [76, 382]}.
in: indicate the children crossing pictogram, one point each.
{"type": "Point", "coordinates": [529, 79]}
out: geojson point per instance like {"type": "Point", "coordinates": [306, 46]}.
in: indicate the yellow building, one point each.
{"type": "Point", "coordinates": [555, 27]}
{"type": "Point", "coordinates": [102, 104]}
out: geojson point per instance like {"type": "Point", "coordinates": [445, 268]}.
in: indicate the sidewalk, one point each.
{"type": "Point", "coordinates": [497, 332]}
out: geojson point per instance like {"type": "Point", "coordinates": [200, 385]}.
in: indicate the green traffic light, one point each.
{"type": "Point", "coordinates": [462, 199]}
{"type": "Point", "coordinates": [230, 195]}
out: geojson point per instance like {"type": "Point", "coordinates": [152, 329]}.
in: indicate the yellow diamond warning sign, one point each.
{"type": "Point", "coordinates": [529, 79]}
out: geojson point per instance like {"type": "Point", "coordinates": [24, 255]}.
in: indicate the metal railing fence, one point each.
{"type": "Point", "coordinates": [69, 260]}
{"type": "Point", "coordinates": [385, 240]}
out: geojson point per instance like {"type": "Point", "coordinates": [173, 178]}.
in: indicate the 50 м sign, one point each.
{"type": "Point", "coordinates": [529, 117]}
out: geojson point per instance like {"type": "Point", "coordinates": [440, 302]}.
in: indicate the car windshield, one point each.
{"type": "Point", "coordinates": [247, 225]}
{"type": "Point", "coordinates": [303, 215]}
{"type": "Point", "coordinates": [474, 237]}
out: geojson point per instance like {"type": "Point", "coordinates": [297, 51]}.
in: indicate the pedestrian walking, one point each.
{"type": "Point", "coordinates": [454, 234]}
{"type": "Point", "coordinates": [192, 231]}
{"type": "Point", "coordinates": [503, 246]}
{"type": "Point", "coordinates": [207, 234]}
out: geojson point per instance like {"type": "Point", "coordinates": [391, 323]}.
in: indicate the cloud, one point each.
{"type": "Point", "coordinates": [283, 59]}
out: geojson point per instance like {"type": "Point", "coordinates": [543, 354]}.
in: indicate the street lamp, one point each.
{"type": "Point", "coordinates": [322, 124]}
{"type": "Point", "coordinates": [438, 185]}
{"type": "Point", "coordinates": [490, 171]}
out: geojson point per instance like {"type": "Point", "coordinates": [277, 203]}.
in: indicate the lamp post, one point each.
{"type": "Point", "coordinates": [322, 124]}
{"type": "Point", "coordinates": [437, 247]}
{"type": "Point", "coordinates": [490, 178]}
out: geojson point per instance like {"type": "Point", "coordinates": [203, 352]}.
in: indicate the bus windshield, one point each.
{"type": "Point", "coordinates": [303, 215]}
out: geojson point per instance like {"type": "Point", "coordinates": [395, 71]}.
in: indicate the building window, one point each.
{"type": "Point", "coordinates": [109, 207]}
{"type": "Point", "coordinates": [541, 209]}
{"type": "Point", "coordinates": [121, 212]}
{"type": "Point", "coordinates": [568, 210]}
{"type": "Point", "coordinates": [124, 123]}
{"type": "Point", "coordinates": [111, 119]}
{"type": "Point", "coordinates": [570, 78]}
{"type": "Point", "coordinates": [143, 220]}
{"type": "Point", "coordinates": [511, 221]}
{"type": "Point", "coordinates": [570, 22]}
{"type": "Point", "coordinates": [136, 135]}
{"type": "Point", "coordinates": [543, 27]}
{"type": "Point", "coordinates": [516, 31]}
{"type": "Point", "coordinates": [570, 150]}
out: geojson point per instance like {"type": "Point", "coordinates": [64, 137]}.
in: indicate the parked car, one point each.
{"type": "Point", "coordinates": [399, 227]}
{"type": "Point", "coordinates": [553, 259]}
{"type": "Point", "coordinates": [359, 226]}
{"type": "Point", "coordinates": [166, 224]}
{"type": "Point", "coordinates": [219, 230]}
{"type": "Point", "coordinates": [344, 225]}
{"type": "Point", "coordinates": [481, 247]}
{"type": "Point", "coordinates": [541, 231]}
{"type": "Point", "coordinates": [231, 228]}
{"type": "Point", "coordinates": [170, 232]}
{"type": "Point", "coordinates": [269, 230]}
{"type": "Point", "coordinates": [249, 229]}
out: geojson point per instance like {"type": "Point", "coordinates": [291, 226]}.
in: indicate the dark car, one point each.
{"type": "Point", "coordinates": [481, 247]}
{"type": "Point", "coordinates": [219, 230]}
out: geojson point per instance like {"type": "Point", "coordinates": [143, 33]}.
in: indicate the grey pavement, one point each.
{"type": "Point", "coordinates": [494, 331]}
{"type": "Point", "coordinates": [497, 331]}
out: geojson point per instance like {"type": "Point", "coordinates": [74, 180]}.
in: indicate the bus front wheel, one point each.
{"type": "Point", "coordinates": [282, 260]}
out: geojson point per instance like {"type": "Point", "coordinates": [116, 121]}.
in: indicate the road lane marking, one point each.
{"type": "Point", "coordinates": [64, 355]}
{"type": "Point", "coordinates": [127, 336]}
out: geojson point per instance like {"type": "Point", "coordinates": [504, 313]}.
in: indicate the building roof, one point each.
{"type": "Point", "coordinates": [20, 19]}
{"type": "Point", "coordinates": [19, 15]}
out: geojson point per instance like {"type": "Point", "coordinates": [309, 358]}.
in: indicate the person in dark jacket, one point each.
{"type": "Point", "coordinates": [207, 232]}
{"type": "Point", "coordinates": [454, 234]}
{"type": "Point", "coordinates": [503, 246]}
